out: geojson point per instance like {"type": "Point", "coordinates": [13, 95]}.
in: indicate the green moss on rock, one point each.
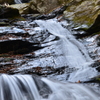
{"type": "Point", "coordinates": [84, 12]}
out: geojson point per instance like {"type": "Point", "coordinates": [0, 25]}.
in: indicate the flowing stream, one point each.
{"type": "Point", "coordinates": [17, 1]}
{"type": "Point", "coordinates": [21, 1]}
{"type": "Point", "coordinates": [27, 87]}
{"type": "Point", "coordinates": [74, 51]}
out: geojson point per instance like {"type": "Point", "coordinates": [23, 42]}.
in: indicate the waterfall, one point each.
{"type": "Point", "coordinates": [27, 87]}
{"type": "Point", "coordinates": [74, 51]}
{"type": "Point", "coordinates": [18, 1]}
{"type": "Point", "coordinates": [21, 1]}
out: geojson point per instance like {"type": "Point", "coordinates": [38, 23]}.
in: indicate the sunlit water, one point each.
{"type": "Point", "coordinates": [25, 87]}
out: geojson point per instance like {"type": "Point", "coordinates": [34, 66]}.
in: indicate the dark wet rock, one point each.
{"type": "Point", "coordinates": [53, 14]}
{"type": "Point", "coordinates": [95, 27]}
{"type": "Point", "coordinates": [30, 16]}
{"type": "Point", "coordinates": [3, 23]}
{"type": "Point", "coordinates": [43, 88]}
{"type": "Point", "coordinates": [98, 68]}
{"type": "Point", "coordinates": [17, 47]}
{"type": "Point", "coordinates": [7, 12]}
{"type": "Point", "coordinates": [96, 64]}
{"type": "Point", "coordinates": [6, 22]}
{"type": "Point", "coordinates": [5, 64]}
{"type": "Point", "coordinates": [44, 71]}
{"type": "Point", "coordinates": [98, 40]}
{"type": "Point", "coordinates": [6, 1]}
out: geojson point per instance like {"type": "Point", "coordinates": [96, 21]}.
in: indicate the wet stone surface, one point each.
{"type": "Point", "coordinates": [27, 48]}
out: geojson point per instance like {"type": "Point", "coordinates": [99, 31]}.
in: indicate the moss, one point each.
{"type": "Point", "coordinates": [98, 79]}
{"type": "Point", "coordinates": [83, 12]}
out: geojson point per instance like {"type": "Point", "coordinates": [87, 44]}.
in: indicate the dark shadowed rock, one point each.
{"type": "Point", "coordinates": [7, 12]}
{"type": "Point", "coordinates": [17, 47]}
{"type": "Point", "coordinates": [98, 40]}
{"type": "Point", "coordinates": [6, 1]}
{"type": "Point", "coordinates": [95, 27]}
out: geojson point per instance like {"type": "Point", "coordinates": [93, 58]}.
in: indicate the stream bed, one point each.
{"type": "Point", "coordinates": [31, 50]}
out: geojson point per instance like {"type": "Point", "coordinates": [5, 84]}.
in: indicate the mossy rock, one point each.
{"type": "Point", "coordinates": [25, 8]}
{"type": "Point", "coordinates": [95, 28]}
{"type": "Point", "coordinates": [8, 12]}
{"type": "Point", "coordinates": [38, 6]}
{"type": "Point", "coordinates": [83, 12]}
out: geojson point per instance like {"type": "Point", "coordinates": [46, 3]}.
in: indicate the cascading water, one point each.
{"type": "Point", "coordinates": [18, 1]}
{"type": "Point", "coordinates": [27, 87]}
{"type": "Point", "coordinates": [74, 51]}
{"type": "Point", "coordinates": [21, 1]}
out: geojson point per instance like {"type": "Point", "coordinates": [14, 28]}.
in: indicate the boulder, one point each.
{"type": "Point", "coordinates": [95, 28]}
{"type": "Point", "coordinates": [25, 8]}
{"type": "Point", "coordinates": [8, 12]}
{"type": "Point", "coordinates": [83, 13]}
{"type": "Point", "coordinates": [98, 40]}
{"type": "Point", "coordinates": [38, 6]}
{"type": "Point", "coordinates": [14, 40]}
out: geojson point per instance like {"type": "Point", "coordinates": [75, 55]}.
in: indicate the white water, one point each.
{"type": "Point", "coordinates": [17, 1]}
{"type": "Point", "coordinates": [74, 51]}
{"type": "Point", "coordinates": [25, 87]}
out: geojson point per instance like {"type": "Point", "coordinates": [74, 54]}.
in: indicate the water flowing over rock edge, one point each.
{"type": "Point", "coordinates": [26, 87]}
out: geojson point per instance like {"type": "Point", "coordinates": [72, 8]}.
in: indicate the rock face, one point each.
{"type": "Point", "coordinates": [95, 27]}
{"type": "Point", "coordinates": [83, 12]}
{"type": "Point", "coordinates": [38, 6]}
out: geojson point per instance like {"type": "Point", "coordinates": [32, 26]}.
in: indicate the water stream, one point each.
{"type": "Point", "coordinates": [74, 51]}
{"type": "Point", "coordinates": [18, 1]}
{"type": "Point", "coordinates": [26, 87]}
{"type": "Point", "coordinates": [21, 1]}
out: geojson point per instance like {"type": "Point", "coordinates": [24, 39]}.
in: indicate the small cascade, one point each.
{"type": "Point", "coordinates": [18, 1]}
{"type": "Point", "coordinates": [21, 1]}
{"type": "Point", "coordinates": [27, 87]}
{"type": "Point", "coordinates": [74, 51]}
